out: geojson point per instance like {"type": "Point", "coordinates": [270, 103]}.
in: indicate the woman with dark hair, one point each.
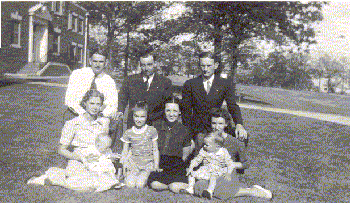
{"type": "Point", "coordinates": [225, 189]}
{"type": "Point", "coordinates": [174, 145]}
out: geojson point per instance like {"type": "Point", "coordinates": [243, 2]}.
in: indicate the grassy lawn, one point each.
{"type": "Point", "coordinates": [299, 159]}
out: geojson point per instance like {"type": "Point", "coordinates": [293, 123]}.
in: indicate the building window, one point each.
{"type": "Point", "coordinates": [16, 34]}
{"type": "Point", "coordinates": [57, 7]}
{"type": "Point", "coordinates": [76, 25]}
{"type": "Point", "coordinates": [70, 21]}
{"type": "Point", "coordinates": [56, 43]}
{"type": "Point", "coordinates": [82, 26]}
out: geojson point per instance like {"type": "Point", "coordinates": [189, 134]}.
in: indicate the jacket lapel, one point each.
{"type": "Point", "coordinates": [213, 86]}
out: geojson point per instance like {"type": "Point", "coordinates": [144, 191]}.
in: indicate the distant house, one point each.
{"type": "Point", "coordinates": [338, 85]}
{"type": "Point", "coordinates": [39, 34]}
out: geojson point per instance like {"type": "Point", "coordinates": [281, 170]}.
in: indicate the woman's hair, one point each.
{"type": "Point", "coordinates": [220, 112]}
{"type": "Point", "coordinates": [89, 94]}
{"type": "Point", "coordinates": [173, 99]}
{"type": "Point", "coordinates": [140, 105]}
{"type": "Point", "coordinates": [216, 137]}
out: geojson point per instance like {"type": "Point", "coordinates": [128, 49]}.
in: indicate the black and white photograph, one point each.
{"type": "Point", "coordinates": [174, 101]}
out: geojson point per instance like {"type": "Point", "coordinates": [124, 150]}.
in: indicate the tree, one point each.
{"type": "Point", "coordinates": [234, 22]}
{"type": "Point", "coordinates": [121, 17]}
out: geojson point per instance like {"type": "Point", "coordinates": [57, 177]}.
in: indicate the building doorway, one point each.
{"type": "Point", "coordinates": [40, 43]}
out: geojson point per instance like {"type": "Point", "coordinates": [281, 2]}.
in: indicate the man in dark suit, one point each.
{"type": "Point", "coordinates": [208, 91]}
{"type": "Point", "coordinates": [147, 86]}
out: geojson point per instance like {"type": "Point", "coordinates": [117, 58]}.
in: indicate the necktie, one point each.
{"type": "Point", "coordinates": [93, 83]}
{"type": "Point", "coordinates": [208, 86]}
{"type": "Point", "coordinates": [146, 82]}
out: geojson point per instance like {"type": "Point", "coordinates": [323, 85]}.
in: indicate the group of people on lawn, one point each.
{"type": "Point", "coordinates": [190, 145]}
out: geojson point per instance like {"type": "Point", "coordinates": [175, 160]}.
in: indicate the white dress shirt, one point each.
{"type": "Point", "coordinates": [205, 83]}
{"type": "Point", "coordinates": [80, 82]}
{"type": "Point", "coordinates": [150, 79]}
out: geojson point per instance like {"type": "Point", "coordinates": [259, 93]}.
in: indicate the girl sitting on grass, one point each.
{"type": "Point", "coordinates": [140, 154]}
{"type": "Point", "coordinates": [216, 161]}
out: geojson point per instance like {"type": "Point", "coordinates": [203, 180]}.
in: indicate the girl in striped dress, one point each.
{"type": "Point", "coordinates": [216, 161]}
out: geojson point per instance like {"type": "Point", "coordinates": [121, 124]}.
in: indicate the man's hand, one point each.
{"type": "Point", "coordinates": [240, 132]}
{"type": "Point", "coordinates": [157, 169]}
{"type": "Point", "coordinates": [116, 115]}
{"type": "Point", "coordinates": [189, 171]}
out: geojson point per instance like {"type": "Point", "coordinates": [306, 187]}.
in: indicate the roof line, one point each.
{"type": "Point", "coordinates": [75, 4]}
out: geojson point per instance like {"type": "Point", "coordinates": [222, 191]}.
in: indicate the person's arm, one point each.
{"type": "Point", "coordinates": [188, 145]}
{"type": "Point", "coordinates": [74, 89]}
{"type": "Point", "coordinates": [187, 104]}
{"type": "Point", "coordinates": [111, 99]}
{"type": "Point", "coordinates": [125, 153]}
{"type": "Point", "coordinates": [196, 161]}
{"type": "Point", "coordinates": [67, 136]}
{"type": "Point", "coordinates": [156, 155]}
{"type": "Point", "coordinates": [159, 110]}
{"type": "Point", "coordinates": [234, 109]}
{"type": "Point", "coordinates": [63, 151]}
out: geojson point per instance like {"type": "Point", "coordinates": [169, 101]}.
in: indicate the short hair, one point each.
{"type": "Point", "coordinates": [89, 94]}
{"type": "Point", "coordinates": [174, 99]}
{"type": "Point", "coordinates": [220, 112]}
{"type": "Point", "coordinates": [146, 55]}
{"type": "Point", "coordinates": [102, 52]}
{"type": "Point", "coordinates": [216, 137]}
{"type": "Point", "coordinates": [140, 106]}
{"type": "Point", "coordinates": [207, 54]}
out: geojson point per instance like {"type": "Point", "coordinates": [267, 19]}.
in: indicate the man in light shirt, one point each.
{"type": "Point", "coordinates": [93, 77]}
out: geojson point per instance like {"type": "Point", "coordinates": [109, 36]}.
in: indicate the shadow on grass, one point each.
{"type": "Point", "coordinates": [4, 82]}
{"type": "Point", "coordinates": [244, 100]}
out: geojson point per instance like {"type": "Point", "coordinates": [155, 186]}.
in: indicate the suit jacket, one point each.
{"type": "Point", "coordinates": [134, 90]}
{"type": "Point", "coordinates": [197, 103]}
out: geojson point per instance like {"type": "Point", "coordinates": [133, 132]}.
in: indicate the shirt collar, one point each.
{"type": "Point", "coordinates": [149, 79]}
{"type": "Point", "coordinates": [211, 79]}
{"type": "Point", "coordinates": [82, 119]}
{"type": "Point", "coordinates": [139, 131]}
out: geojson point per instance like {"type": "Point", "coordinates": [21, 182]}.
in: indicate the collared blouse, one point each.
{"type": "Point", "coordinates": [172, 140]}
{"type": "Point", "coordinates": [81, 132]}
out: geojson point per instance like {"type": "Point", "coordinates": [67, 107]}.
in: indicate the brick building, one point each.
{"type": "Point", "coordinates": [42, 34]}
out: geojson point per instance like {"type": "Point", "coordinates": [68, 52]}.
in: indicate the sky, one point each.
{"type": "Point", "coordinates": [333, 33]}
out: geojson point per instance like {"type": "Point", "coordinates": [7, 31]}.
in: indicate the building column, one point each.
{"type": "Point", "coordinates": [86, 35]}
{"type": "Point", "coordinates": [30, 38]}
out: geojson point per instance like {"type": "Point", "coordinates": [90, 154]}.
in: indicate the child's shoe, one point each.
{"type": "Point", "coordinates": [119, 185]}
{"type": "Point", "coordinates": [207, 194]}
{"type": "Point", "coordinates": [37, 180]}
{"type": "Point", "coordinates": [261, 192]}
{"type": "Point", "coordinates": [187, 191]}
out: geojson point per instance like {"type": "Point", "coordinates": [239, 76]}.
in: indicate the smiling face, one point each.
{"type": "Point", "coordinates": [207, 66]}
{"type": "Point", "coordinates": [93, 106]}
{"type": "Point", "coordinates": [218, 124]}
{"type": "Point", "coordinates": [172, 112]}
{"type": "Point", "coordinates": [140, 117]}
{"type": "Point", "coordinates": [147, 65]}
{"type": "Point", "coordinates": [97, 62]}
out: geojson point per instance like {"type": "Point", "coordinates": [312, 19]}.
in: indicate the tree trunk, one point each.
{"type": "Point", "coordinates": [126, 64]}
{"type": "Point", "coordinates": [218, 47]}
